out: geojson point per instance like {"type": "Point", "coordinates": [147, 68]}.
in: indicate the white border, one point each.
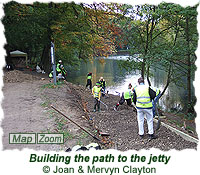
{"type": "Point", "coordinates": [182, 162]}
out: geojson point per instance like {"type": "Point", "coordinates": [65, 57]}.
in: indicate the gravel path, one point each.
{"type": "Point", "coordinates": [123, 129]}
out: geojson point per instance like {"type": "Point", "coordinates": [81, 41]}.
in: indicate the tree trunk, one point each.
{"type": "Point", "coordinates": [7, 57]}
{"type": "Point", "coordinates": [148, 80]}
{"type": "Point", "coordinates": [168, 80]}
{"type": "Point", "coordinates": [46, 58]}
{"type": "Point", "coordinates": [143, 68]}
{"type": "Point", "coordinates": [165, 88]}
{"type": "Point", "coordinates": [189, 98]}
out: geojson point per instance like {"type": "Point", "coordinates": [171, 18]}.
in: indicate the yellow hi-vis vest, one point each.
{"type": "Point", "coordinates": [103, 83]}
{"type": "Point", "coordinates": [51, 75]}
{"type": "Point", "coordinates": [96, 92]}
{"type": "Point", "coordinates": [156, 90]}
{"type": "Point", "coordinates": [128, 94]}
{"type": "Point", "coordinates": [143, 99]}
{"type": "Point", "coordinates": [89, 77]}
{"type": "Point", "coordinates": [58, 67]}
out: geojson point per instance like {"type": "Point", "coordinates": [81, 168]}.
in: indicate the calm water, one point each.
{"type": "Point", "coordinates": [117, 80]}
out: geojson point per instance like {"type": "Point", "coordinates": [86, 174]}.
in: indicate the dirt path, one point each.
{"type": "Point", "coordinates": [26, 107]}
{"type": "Point", "coordinates": [23, 113]}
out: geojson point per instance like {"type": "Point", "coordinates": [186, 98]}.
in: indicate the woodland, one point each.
{"type": "Point", "coordinates": [165, 34]}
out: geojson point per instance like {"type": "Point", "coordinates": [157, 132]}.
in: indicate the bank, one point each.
{"type": "Point", "coordinates": [27, 108]}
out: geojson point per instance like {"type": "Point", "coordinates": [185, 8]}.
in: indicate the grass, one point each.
{"type": "Point", "coordinates": [60, 125]}
{"type": "Point", "coordinates": [52, 86]}
{"type": "Point", "coordinates": [175, 122]}
{"type": "Point", "coordinates": [44, 104]}
{"type": "Point", "coordinates": [67, 135]}
{"type": "Point", "coordinates": [51, 113]}
{"type": "Point", "coordinates": [79, 142]}
{"type": "Point", "coordinates": [83, 135]}
{"type": "Point", "coordinates": [180, 125]}
{"type": "Point", "coordinates": [190, 129]}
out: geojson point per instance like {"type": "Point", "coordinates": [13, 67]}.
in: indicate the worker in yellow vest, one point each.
{"type": "Point", "coordinates": [126, 96]}
{"type": "Point", "coordinates": [103, 86]}
{"type": "Point", "coordinates": [51, 74]}
{"type": "Point", "coordinates": [60, 69]}
{"type": "Point", "coordinates": [89, 80]}
{"type": "Point", "coordinates": [143, 96]}
{"type": "Point", "coordinates": [96, 91]}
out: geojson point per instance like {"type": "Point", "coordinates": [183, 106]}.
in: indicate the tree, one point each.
{"type": "Point", "coordinates": [19, 31]}
{"type": "Point", "coordinates": [142, 32]}
{"type": "Point", "coordinates": [166, 34]}
{"type": "Point", "coordinates": [78, 31]}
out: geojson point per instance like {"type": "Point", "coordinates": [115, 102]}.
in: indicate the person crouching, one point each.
{"type": "Point", "coordinates": [126, 96]}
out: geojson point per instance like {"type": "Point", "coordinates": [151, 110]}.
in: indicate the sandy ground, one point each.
{"type": "Point", "coordinates": [26, 107]}
{"type": "Point", "coordinates": [23, 113]}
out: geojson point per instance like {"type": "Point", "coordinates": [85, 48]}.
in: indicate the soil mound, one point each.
{"type": "Point", "coordinates": [17, 76]}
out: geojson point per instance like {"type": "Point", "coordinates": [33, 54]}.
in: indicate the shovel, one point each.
{"type": "Point", "coordinates": [104, 104]}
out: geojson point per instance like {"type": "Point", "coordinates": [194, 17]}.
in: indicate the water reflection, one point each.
{"type": "Point", "coordinates": [118, 80]}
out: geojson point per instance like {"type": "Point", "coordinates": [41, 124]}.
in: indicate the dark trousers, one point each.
{"type": "Point", "coordinates": [96, 103]}
{"type": "Point", "coordinates": [89, 83]}
{"type": "Point", "coordinates": [122, 100]}
{"type": "Point", "coordinates": [103, 91]}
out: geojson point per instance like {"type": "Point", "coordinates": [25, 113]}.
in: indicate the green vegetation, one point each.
{"type": "Point", "coordinates": [67, 135]}
{"type": "Point", "coordinates": [175, 122]}
{"type": "Point", "coordinates": [52, 86]}
{"type": "Point", "coordinates": [79, 31]}
{"type": "Point", "coordinates": [163, 36]}
{"type": "Point", "coordinates": [45, 104]}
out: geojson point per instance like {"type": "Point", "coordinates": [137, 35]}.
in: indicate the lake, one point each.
{"type": "Point", "coordinates": [117, 80]}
